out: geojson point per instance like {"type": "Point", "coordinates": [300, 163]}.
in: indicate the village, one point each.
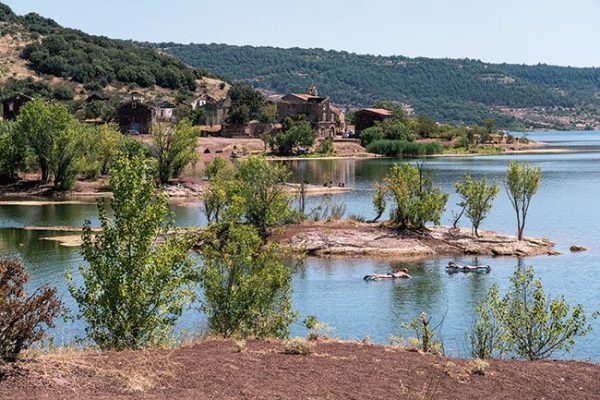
{"type": "Point", "coordinates": [137, 114]}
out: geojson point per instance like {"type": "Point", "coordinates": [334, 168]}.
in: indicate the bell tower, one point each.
{"type": "Point", "coordinates": [312, 90]}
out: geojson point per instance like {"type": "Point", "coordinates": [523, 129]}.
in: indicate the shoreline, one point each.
{"type": "Point", "coordinates": [347, 238]}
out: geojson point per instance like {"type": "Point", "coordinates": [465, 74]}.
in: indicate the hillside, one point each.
{"type": "Point", "coordinates": [448, 90]}
{"type": "Point", "coordinates": [38, 56]}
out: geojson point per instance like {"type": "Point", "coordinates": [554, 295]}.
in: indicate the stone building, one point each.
{"type": "Point", "coordinates": [136, 117]}
{"type": "Point", "coordinates": [216, 110]}
{"type": "Point", "coordinates": [317, 110]}
{"type": "Point", "coordinates": [12, 105]}
{"type": "Point", "coordinates": [367, 117]}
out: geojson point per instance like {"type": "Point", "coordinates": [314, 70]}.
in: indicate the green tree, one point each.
{"type": "Point", "coordinates": [371, 134]}
{"type": "Point", "coordinates": [289, 139]}
{"type": "Point", "coordinates": [527, 323]}
{"type": "Point", "coordinates": [417, 202]}
{"type": "Point", "coordinates": [175, 148]}
{"type": "Point", "coordinates": [379, 201]}
{"type": "Point", "coordinates": [68, 152]}
{"type": "Point", "coordinates": [522, 182]}
{"type": "Point", "coordinates": [135, 286]}
{"type": "Point", "coordinates": [13, 151]}
{"type": "Point", "coordinates": [41, 123]}
{"type": "Point", "coordinates": [247, 286]}
{"type": "Point", "coordinates": [326, 147]}
{"type": "Point", "coordinates": [477, 198]}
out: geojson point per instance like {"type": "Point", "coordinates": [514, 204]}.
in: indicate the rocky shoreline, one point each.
{"type": "Point", "coordinates": [350, 238]}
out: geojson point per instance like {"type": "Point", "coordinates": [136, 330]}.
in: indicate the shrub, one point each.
{"type": "Point", "coordinates": [23, 317]}
{"type": "Point", "coordinates": [288, 141]}
{"type": "Point", "coordinates": [316, 328]}
{"type": "Point", "coordinates": [478, 366]}
{"type": "Point", "coordinates": [417, 202]}
{"type": "Point", "coordinates": [372, 134]}
{"type": "Point", "coordinates": [247, 286]}
{"type": "Point", "coordinates": [424, 339]}
{"type": "Point", "coordinates": [299, 346]}
{"type": "Point", "coordinates": [135, 286]}
{"type": "Point", "coordinates": [399, 148]}
{"type": "Point", "coordinates": [326, 147]}
{"type": "Point", "coordinates": [528, 324]}
{"type": "Point", "coordinates": [175, 147]}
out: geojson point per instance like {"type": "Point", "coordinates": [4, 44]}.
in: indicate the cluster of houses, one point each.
{"type": "Point", "coordinates": [135, 115]}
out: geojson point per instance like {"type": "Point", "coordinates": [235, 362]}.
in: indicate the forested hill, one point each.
{"type": "Point", "coordinates": [39, 56]}
{"type": "Point", "coordinates": [446, 89]}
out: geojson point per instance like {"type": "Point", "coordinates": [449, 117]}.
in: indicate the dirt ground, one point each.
{"type": "Point", "coordinates": [218, 369]}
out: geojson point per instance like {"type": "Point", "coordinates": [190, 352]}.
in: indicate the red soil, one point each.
{"type": "Point", "coordinates": [217, 369]}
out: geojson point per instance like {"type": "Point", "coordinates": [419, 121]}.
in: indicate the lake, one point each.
{"type": "Point", "coordinates": [565, 210]}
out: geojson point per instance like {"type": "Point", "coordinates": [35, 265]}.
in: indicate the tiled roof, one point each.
{"type": "Point", "coordinates": [380, 111]}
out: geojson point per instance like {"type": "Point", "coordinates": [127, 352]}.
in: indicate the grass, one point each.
{"type": "Point", "coordinates": [401, 148]}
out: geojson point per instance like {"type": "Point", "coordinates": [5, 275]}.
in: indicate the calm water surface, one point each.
{"type": "Point", "coordinates": [564, 210]}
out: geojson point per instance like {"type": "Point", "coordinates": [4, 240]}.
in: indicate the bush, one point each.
{"type": "Point", "coordinates": [477, 199]}
{"type": "Point", "coordinates": [371, 134]}
{"type": "Point", "coordinates": [525, 323]}
{"type": "Point", "coordinates": [399, 148]}
{"type": "Point", "coordinates": [299, 346]}
{"type": "Point", "coordinates": [23, 317]}
{"type": "Point", "coordinates": [417, 202]}
{"type": "Point", "coordinates": [175, 147]}
{"type": "Point", "coordinates": [326, 147]}
{"type": "Point", "coordinates": [247, 286]}
{"type": "Point", "coordinates": [138, 276]}
{"type": "Point", "coordinates": [288, 141]}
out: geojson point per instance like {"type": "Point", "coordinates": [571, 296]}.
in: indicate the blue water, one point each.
{"type": "Point", "coordinates": [564, 210]}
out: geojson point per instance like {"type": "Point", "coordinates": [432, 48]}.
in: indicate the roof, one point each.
{"type": "Point", "coordinates": [380, 111]}
{"type": "Point", "coordinates": [306, 97]}
{"type": "Point", "coordinates": [166, 104]}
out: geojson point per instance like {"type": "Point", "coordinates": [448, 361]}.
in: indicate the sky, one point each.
{"type": "Point", "coordinates": [560, 32]}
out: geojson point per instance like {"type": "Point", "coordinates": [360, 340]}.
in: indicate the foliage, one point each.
{"type": "Point", "coordinates": [246, 104]}
{"type": "Point", "coordinates": [175, 147]}
{"type": "Point", "coordinates": [288, 140]}
{"type": "Point", "coordinates": [327, 210]}
{"type": "Point", "coordinates": [448, 90]}
{"type": "Point", "coordinates": [53, 135]}
{"type": "Point", "coordinates": [399, 148]}
{"type": "Point", "coordinates": [379, 201]}
{"type": "Point", "coordinates": [251, 194]}
{"type": "Point", "coordinates": [417, 202]}
{"type": "Point", "coordinates": [23, 317]}
{"type": "Point", "coordinates": [134, 286]}
{"type": "Point", "coordinates": [372, 134]}
{"type": "Point", "coordinates": [477, 198]}
{"type": "Point", "coordinates": [247, 286]}
{"type": "Point", "coordinates": [101, 146]}
{"type": "Point", "coordinates": [527, 324]}
{"type": "Point", "coordinates": [484, 338]}
{"type": "Point", "coordinates": [13, 151]}
{"type": "Point", "coordinates": [426, 340]}
{"type": "Point", "coordinates": [326, 147]}
{"type": "Point", "coordinates": [299, 346]}
{"type": "Point", "coordinates": [522, 182]}
{"type": "Point", "coordinates": [316, 328]}
{"type": "Point", "coordinates": [74, 55]}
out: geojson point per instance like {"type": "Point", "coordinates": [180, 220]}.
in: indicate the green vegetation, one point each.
{"type": "Point", "coordinates": [292, 136]}
{"type": "Point", "coordinates": [400, 148]}
{"type": "Point", "coordinates": [13, 151]}
{"type": "Point", "coordinates": [326, 147]}
{"type": "Point", "coordinates": [134, 288]}
{"type": "Point", "coordinates": [24, 317]}
{"type": "Point", "coordinates": [477, 199]}
{"type": "Point", "coordinates": [247, 104]}
{"type": "Point", "coordinates": [522, 182]}
{"type": "Point", "coordinates": [452, 91]}
{"type": "Point", "coordinates": [54, 137]}
{"type": "Point", "coordinates": [174, 147]}
{"type": "Point", "coordinates": [253, 194]}
{"type": "Point", "coordinates": [417, 202]}
{"type": "Point", "coordinates": [525, 323]}
{"type": "Point", "coordinates": [379, 201]}
{"type": "Point", "coordinates": [247, 284]}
